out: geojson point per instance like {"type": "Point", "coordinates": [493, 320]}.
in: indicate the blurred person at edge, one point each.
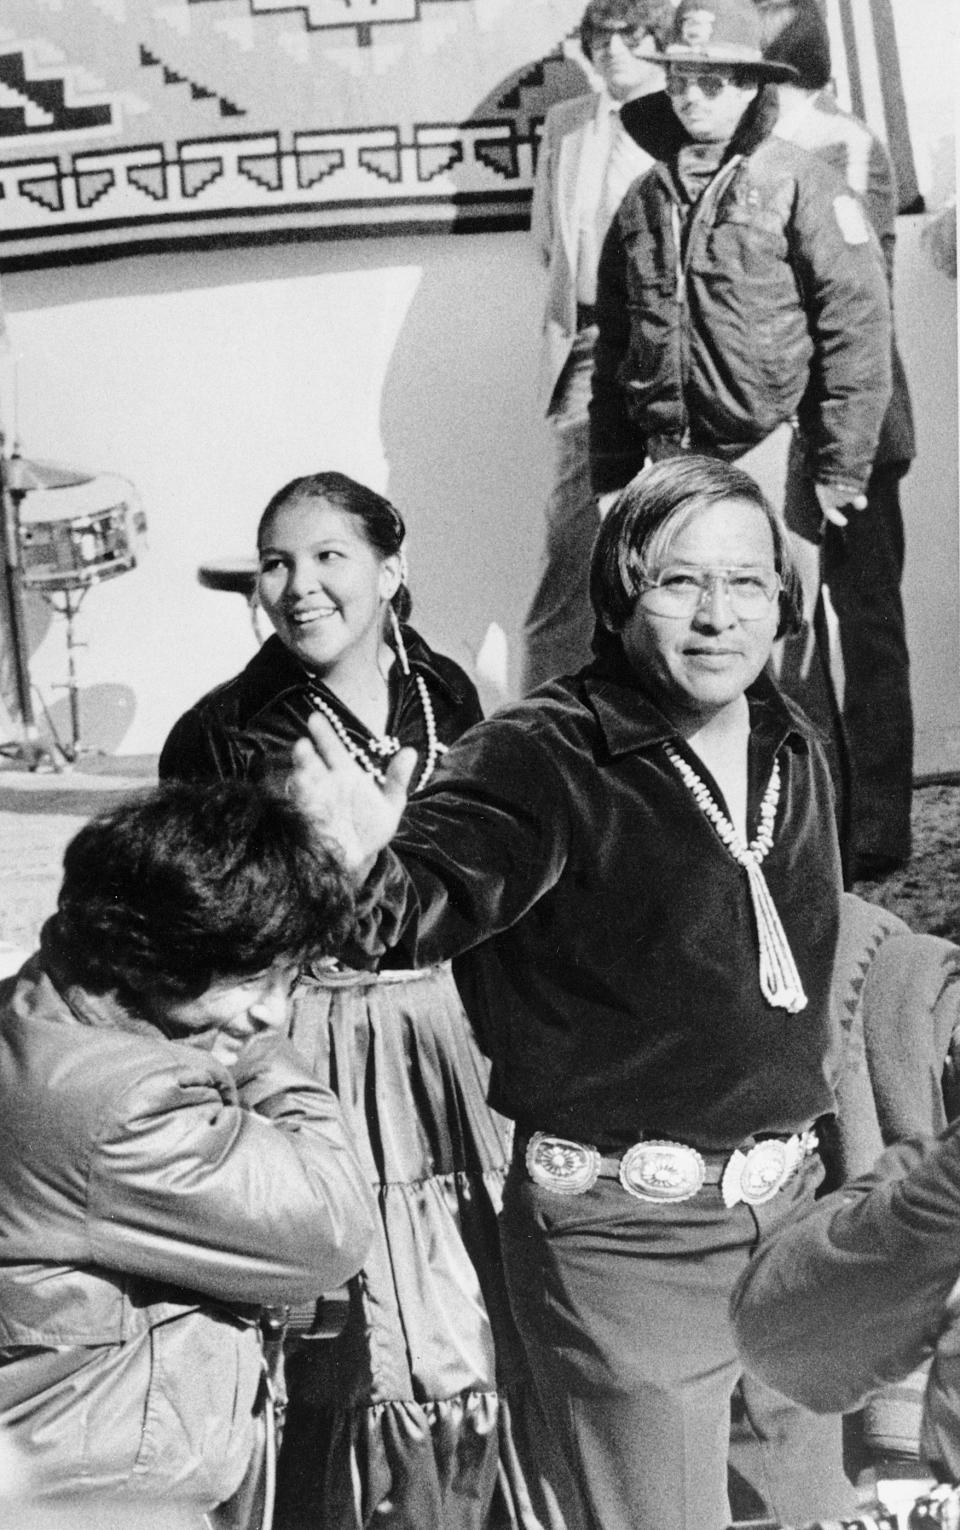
{"type": "Point", "coordinates": [863, 1289]}
{"type": "Point", "coordinates": [592, 147]}
{"type": "Point", "coordinates": [861, 562]}
{"type": "Point", "coordinates": [167, 1166]}
{"type": "Point", "coordinates": [635, 873]}
{"type": "Point", "coordinates": [742, 302]}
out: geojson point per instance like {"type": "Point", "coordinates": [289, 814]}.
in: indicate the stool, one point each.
{"type": "Point", "coordinates": [238, 576]}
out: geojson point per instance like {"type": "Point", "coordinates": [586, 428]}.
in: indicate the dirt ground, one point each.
{"type": "Point", "coordinates": [927, 892]}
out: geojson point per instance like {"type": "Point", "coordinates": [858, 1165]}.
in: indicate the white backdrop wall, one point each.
{"type": "Point", "coordinates": [211, 378]}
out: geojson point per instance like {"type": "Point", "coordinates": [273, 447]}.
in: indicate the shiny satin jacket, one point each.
{"type": "Point", "coordinates": [150, 1201]}
{"type": "Point", "coordinates": [603, 937]}
{"type": "Point", "coordinates": [248, 725]}
{"type": "Point", "coordinates": [767, 301]}
{"type": "Point", "coordinates": [862, 1289]}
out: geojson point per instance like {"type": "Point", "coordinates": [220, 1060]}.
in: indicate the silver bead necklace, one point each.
{"type": "Point", "coordinates": [780, 980]}
{"type": "Point", "coordinates": [374, 748]}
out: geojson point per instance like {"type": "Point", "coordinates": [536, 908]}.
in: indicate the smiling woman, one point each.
{"type": "Point", "coordinates": [324, 584]}
{"type": "Point", "coordinates": [427, 1369]}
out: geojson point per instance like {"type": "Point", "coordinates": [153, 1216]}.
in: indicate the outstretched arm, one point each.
{"type": "Point", "coordinates": [348, 807]}
{"type": "Point", "coordinates": [483, 842]}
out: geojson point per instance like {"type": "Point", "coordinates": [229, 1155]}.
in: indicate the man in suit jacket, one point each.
{"type": "Point", "coordinates": [588, 156]}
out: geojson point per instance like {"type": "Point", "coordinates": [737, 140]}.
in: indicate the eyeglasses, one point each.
{"type": "Point", "coordinates": [711, 85]}
{"type": "Point", "coordinates": [601, 38]}
{"type": "Point", "coordinates": [677, 591]}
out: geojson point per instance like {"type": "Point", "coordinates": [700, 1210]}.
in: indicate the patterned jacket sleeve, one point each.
{"type": "Point", "coordinates": [854, 1293]}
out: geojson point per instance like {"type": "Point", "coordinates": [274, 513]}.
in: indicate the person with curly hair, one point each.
{"type": "Point", "coordinates": [167, 1166]}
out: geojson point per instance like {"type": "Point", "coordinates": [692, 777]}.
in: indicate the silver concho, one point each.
{"type": "Point", "coordinates": [566, 1168]}
{"type": "Point", "coordinates": [766, 1168]}
{"type": "Point", "coordinates": [662, 1171]}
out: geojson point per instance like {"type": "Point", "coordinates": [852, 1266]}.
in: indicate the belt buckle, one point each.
{"type": "Point", "coordinates": [759, 1174]}
{"type": "Point", "coordinates": [663, 1172]}
{"type": "Point", "coordinates": [561, 1166]}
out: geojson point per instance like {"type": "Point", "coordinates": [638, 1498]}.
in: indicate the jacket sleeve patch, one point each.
{"type": "Point", "coordinates": [851, 220]}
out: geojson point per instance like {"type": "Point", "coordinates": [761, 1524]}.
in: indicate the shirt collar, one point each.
{"type": "Point", "coordinates": [630, 719]}
{"type": "Point", "coordinates": [273, 670]}
{"type": "Point", "coordinates": [607, 106]}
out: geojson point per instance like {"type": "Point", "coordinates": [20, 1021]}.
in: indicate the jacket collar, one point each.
{"type": "Point", "coordinates": [273, 670]}
{"type": "Point", "coordinates": [630, 720]}
{"type": "Point", "coordinates": [756, 124]}
{"type": "Point", "coordinates": [50, 972]}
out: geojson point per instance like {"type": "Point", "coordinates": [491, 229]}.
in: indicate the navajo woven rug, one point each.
{"type": "Point", "coordinates": [128, 125]}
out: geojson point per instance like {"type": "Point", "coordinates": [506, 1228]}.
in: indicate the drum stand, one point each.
{"type": "Point", "coordinates": [70, 602]}
{"type": "Point", "coordinates": [28, 750]}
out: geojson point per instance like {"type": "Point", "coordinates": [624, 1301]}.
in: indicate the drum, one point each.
{"type": "Point", "coordinates": [80, 534]}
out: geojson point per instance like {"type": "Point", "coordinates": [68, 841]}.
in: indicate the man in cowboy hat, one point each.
{"type": "Point", "coordinates": [741, 296]}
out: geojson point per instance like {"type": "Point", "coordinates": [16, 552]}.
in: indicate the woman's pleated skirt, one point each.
{"type": "Point", "coordinates": [420, 1414]}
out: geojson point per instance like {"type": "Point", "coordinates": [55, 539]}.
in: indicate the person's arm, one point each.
{"type": "Point", "coordinates": [243, 1188]}
{"type": "Point", "coordinates": [473, 852]}
{"type": "Point", "coordinates": [617, 449]}
{"type": "Point", "coordinates": [853, 1294]}
{"type": "Point", "coordinates": [841, 275]}
{"type": "Point", "coordinates": [881, 199]}
{"type": "Point", "coordinates": [542, 207]}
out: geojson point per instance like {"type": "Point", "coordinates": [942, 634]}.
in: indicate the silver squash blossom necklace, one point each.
{"type": "Point", "coordinates": [780, 981]}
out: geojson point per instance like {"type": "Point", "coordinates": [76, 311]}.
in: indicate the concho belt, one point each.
{"type": "Point", "coordinates": [669, 1172]}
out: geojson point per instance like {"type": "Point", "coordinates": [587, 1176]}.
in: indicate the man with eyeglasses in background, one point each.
{"type": "Point", "coordinates": [592, 148]}
{"type": "Point", "coordinates": [742, 299]}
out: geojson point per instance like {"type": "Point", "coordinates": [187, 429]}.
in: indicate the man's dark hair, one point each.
{"type": "Point", "coordinates": [653, 16]}
{"type": "Point", "coordinates": [190, 883]}
{"type": "Point", "coordinates": [653, 507]}
{"type": "Point", "coordinates": [794, 32]}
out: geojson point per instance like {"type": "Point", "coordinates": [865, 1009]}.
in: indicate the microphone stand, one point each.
{"type": "Point", "coordinates": [30, 751]}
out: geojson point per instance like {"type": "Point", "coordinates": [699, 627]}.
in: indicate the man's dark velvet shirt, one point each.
{"type": "Point", "coordinates": [603, 936]}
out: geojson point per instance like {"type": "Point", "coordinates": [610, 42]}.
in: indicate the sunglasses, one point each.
{"type": "Point", "coordinates": [709, 85]}
{"type": "Point", "coordinates": [601, 38]}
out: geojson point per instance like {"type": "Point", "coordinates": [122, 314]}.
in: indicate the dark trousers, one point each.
{"type": "Point", "coordinates": [852, 676]}
{"type": "Point", "coordinates": [863, 569]}
{"type": "Point", "coordinates": [622, 1308]}
{"type": "Point", "coordinates": [558, 628]}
